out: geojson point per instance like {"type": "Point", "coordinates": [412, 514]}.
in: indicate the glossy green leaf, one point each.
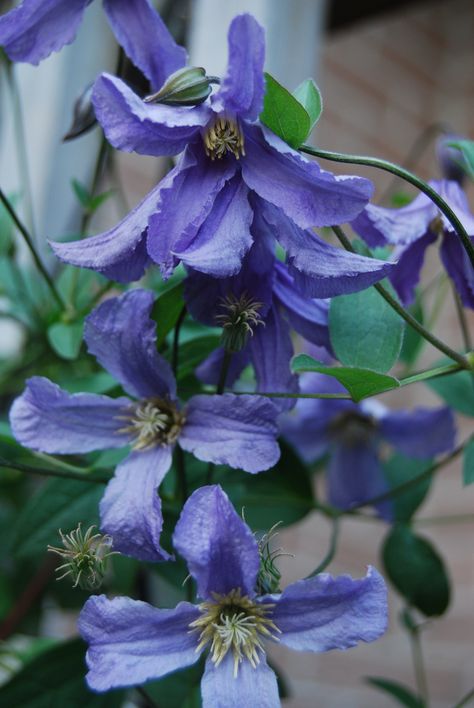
{"type": "Point", "coordinates": [400, 693]}
{"type": "Point", "coordinates": [166, 311]}
{"type": "Point", "coordinates": [308, 94]}
{"type": "Point", "coordinates": [284, 114]}
{"type": "Point", "coordinates": [399, 470]}
{"type": "Point", "coordinates": [416, 570]}
{"type": "Point", "coordinates": [457, 390]}
{"type": "Point", "coordinates": [360, 383]}
{"type": "Point", "coordinates": [66, 338]}
{"type": "Point", "coordinates": [468, 464]}
{"type": "Point", "coordinates": [365, 331]}
{"type": "Point", "coordinates": [56, 678]}
{"type": "Point", "coordinates": [58, 504]}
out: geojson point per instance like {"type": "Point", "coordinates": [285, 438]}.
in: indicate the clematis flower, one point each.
{"type": "Point", "coordinates": [131, 642]}
{"type": "Point", "coordinates": [36, 28]}
{"type": "Point", "coordinates": [412, 228]}
{"type": "Point", "coordinates": [239, 431]}
{"type": "Point", "coordinates": [353, 433]}
{"type": "Point", "coordinates": [203, 213]}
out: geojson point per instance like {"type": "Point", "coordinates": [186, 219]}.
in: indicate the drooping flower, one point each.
{"type": "Point", "coordinates": [204, 212]}
{"type": "Point", "coordinates": [412, 228]}
{"type": "Point", "coordinates": [353, 433]}
{"type": "Point", "coordinates": [239, 431]}
{"type": "Point", "coordinates": [131, 642]}
{"type": "Point", "coordinates": [36, 28]}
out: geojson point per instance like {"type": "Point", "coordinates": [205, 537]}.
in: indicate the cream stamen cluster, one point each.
{"type": "Point", "coordinates": [222, 137]}
{"type": "Point", "coordinates": [234, 622]}
{"type": "Point", "coordinates": [153, 422]}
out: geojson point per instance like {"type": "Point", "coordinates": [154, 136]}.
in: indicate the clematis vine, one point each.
{"type": "Point", "coordinates": [36, 28]}
{"type": "Point", "coordinates": [233, 172]}
{"type": "Point", "coordinates": [412, 228]}
{"type": "Point", "coordinates": [353, 434]}
{"type": "Point", "coordinates": [239, 431]}
{"type": "Point", "coordinates": [131, 642]}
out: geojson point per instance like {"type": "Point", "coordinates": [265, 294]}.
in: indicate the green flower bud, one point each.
{"type": "Point", "coordinates": [186, 87]}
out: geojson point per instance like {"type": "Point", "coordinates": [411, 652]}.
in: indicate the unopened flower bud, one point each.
{"type": "Point", "coordinates": [83, 115]}
{"type": "Point", "coordinates": [450, 158]}
{"type": "Point", "coordinates": [239, 319]}
{"type": "Point", "coordinates": [85, 555]}
{"type": "Point", "coordinates": [186, 87]}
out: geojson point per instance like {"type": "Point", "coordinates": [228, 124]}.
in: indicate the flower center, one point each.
{"type": "Point", "coordinates": [234, 623]}
{"type": "Point", "coordinates": [224, 136]}
{"type": "Point", "coordinates": [238, 320]}
{"type": "Point", "coordinates": [153, 422]}
{"type": "Point", "coordinates": [352, 428]}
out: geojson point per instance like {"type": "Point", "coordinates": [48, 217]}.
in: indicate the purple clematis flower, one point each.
{"type": "Point", "coordinates": [204, 212]}
{"type": "Point", "coordinates": [353, 433]}
{"type": "Point", "coordinates": [239, 431]}
{"type": "Point", "coordinates": [36, 28]}
{"type": "Point", "coordinates": [412, 229]}
{"type": "Point", "coordinates": [131, 642]}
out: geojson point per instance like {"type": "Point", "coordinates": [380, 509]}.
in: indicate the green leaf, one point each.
{"type": "Point", "coordinates": [56, 678]}
{"type": "Point", "coordinates": [360, 383]}
{"type": "Point", "coordinates": [400, 469]}
{"type": "Point", "coordinates": [192, 353]}
{"type": "Point", "coordinates": [284, 114]}
{"type": "Point", "coordinates": [398, 691]}
{"type": "Point", "coordinates": [65, 338]}
{"type": "Point", "coordinates": [167, 310]}
{"type": "Point", "coordinates": [283, 493]}
{"type": "Point", "coordinates": [81, 192]}
{"type": "Point", "coordinates": [365, 331]}
{"type": "Point", "coordinates": [416, 570]}
{"type": "Point", "coordinates": [58, 504]}
{"type": "Point", "coordinates": [456, 389]}
{"type": "Point", "coordinates": [308, 94]}
{"type": "Point", "coordinates": [468, 465]}
{"type": "Point", "coordinates": [467, 150]}
{"type": "Point", "coordinates": [413, 341]}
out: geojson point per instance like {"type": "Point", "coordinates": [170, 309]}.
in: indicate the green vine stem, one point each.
{"type": "Point", "coordinates": [408, 177]}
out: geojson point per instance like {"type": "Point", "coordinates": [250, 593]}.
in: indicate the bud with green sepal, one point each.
{"type": "Point", "coordinates": [186, 87]}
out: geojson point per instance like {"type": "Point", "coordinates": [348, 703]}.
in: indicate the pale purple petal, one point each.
{"type": "Point", "coordinates": [120, 253]}
{"type": "Point", "coordinates": [420, 433]}
{"type": "Point", "coordinates": [122, 335]}
{"type": "Point", "coordinates": [239, 431]}
{"type": "Point", "coordinates": [186, 200]}
{"type": "Point", "coordinates": [459, 267]}
{"type": "Point", "coordinates": [406, 274]}
{"type": "Point", "coordinates": [271, 350]}
{"type": "Point", "coordinates": [242, 89]}
{"type": "Point", "coordinates": [149, 129]}
{"type": "Point", "coordinates": [218, 546]}
{"type": "Point", "coordinates": [224, 238]}
{"type": "Point", "coordinates": [145, 38]}
{"type": "Point", "coordinates": [355, 475]}
{"type": "Point", "coordinates": [209, 370]}
{"type": "Point", "coordinates": [131, 642]}
{"type": "Point", "coordinates": [48, 419]}
{"type": "Point", "coordinates": [252, 688]}
{"type": "Point", "coordinates": [34, 29]}
{"type": "Point", "coordinates": [324, 613]}
{"type": "Point", "coordinates": [378, 225]}
{"type": "Point", "coordinates": [455, 196]}
{"type": "Point", "coordinates": [130, 510]}
{"type": "Point", "coordinates": [307, 194]}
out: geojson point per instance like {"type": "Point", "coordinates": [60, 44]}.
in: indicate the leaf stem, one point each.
{"type": "Point", "coordinates": [29, 242]}
{"type": "Point", "coordinates": [331, 552]}
{"type": "Point", "coordinates": [82, 477]}
{"type": "Point", "coordinates": [437, 343]}
{"type": "Point", "coordinates": [408, 177]}
{"type": "Point", "coordinates": [465, 700]}
{"type": "Point", "coordinates": [418, 663]}
{"type": "Point", "coordinates": [177, 328]}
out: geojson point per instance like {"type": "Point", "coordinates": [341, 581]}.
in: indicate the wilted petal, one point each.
{"type": "Point", "coordinates": [420, 433]}
{"type": "Point", "coordinates": [242, 89]}
{"type": "Point", "coordinates": [48, 419]}
{"type": "Point", "coordinates": [459, 267]}
{"type": "Point", "coordinates": [120, 253]}
{"type": "Point", "coordinates": [355, 476]}
{"type": "Point", "coordinates": [218, 546]}
{"type": "Point", "coordinates": [130, 510]}
{"type": "Point", "coordinates": [406, 274]}
{"type": "Point", "coordinates": [121, 334]}
{"type": "Point", "coordinates": [324, 613]}
{"type": "Point", "coordinates": [34, 29]}
{"type": "Point", "coordinates": [252, 688]}
{"type": "Point", "coordinates": [239, 431]}
{"type": "Point", "coordinates": [145, 38]}
{"type": "Point", "coordinates": [149, 129]}
{"type": "Point", "coordinates": [131, 642]}
{"type": "Point", "coordinates": [307, 194]}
